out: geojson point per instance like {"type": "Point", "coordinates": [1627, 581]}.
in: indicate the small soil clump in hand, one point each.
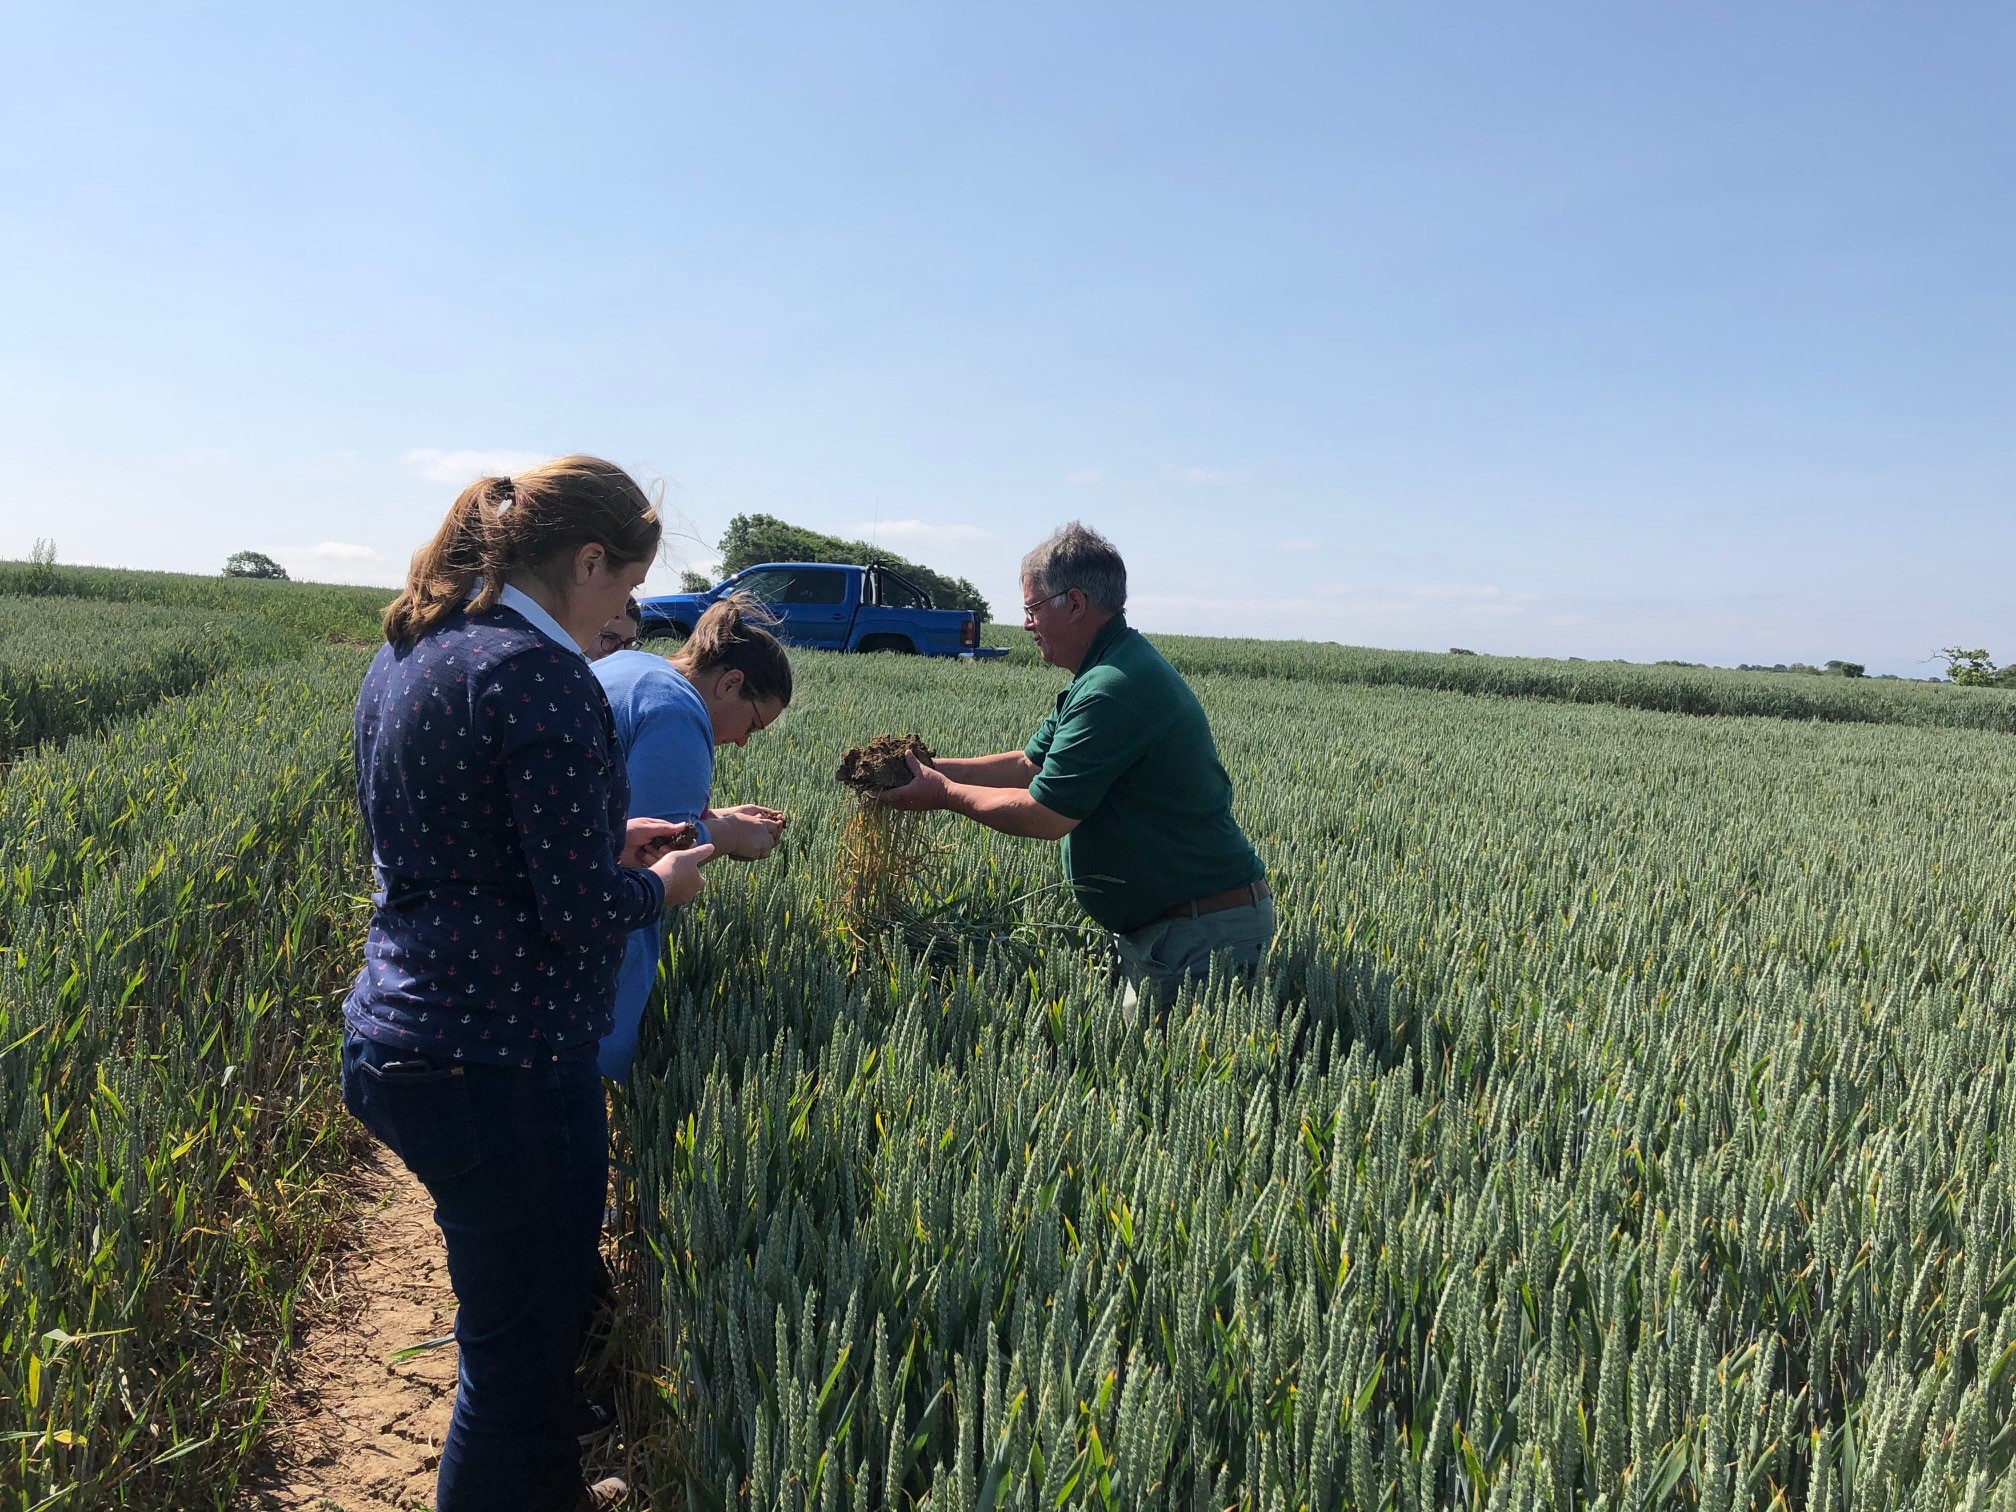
{"type": "Point", "coordinates": [879, 765]}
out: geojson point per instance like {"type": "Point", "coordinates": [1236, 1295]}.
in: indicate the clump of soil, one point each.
{"type": "Point", "coordinates": [879, 765]}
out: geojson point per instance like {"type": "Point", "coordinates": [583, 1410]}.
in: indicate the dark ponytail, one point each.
{"type": "Point", "coordinates": [500, 527]}
{"type": "Point", "coordinates": [733, 636]}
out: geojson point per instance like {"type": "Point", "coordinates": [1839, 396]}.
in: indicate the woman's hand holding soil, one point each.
{"type": "Point", "coordinates": [746, 833]}
{"type": "Point", "coordinates": [645, 840]}
{"type": "Point", "coordinates": [667, 848]}
{"type": "Point", "coordinates": [679, 870]}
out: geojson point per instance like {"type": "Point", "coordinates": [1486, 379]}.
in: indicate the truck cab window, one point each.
{"type": "Point", "coordinates": [893, 592]}
{"type": "Point", "coordinates": [770, 587]}
{"type": "Point", "coordinates": [816, 586]}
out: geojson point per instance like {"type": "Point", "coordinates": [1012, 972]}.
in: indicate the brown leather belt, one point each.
{"type": "Point", "coordinates": [1233, 897]}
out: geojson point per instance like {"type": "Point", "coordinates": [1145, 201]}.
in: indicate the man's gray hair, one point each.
{"type": "Point", "coordinates": [1075, 557]}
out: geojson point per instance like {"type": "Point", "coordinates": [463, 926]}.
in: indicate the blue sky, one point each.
{"type": "Point", "coordinates": [1645, 331]}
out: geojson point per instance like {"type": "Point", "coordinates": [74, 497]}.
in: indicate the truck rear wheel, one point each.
{"type": "Point", "coordinates": [672, 630]}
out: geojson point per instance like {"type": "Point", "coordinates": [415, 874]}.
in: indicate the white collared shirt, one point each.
{"type": "Point", "coordinates": [525, 604]}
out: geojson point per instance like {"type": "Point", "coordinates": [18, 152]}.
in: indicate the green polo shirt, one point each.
{"type": "Point", "coordinates": [1128, 754]}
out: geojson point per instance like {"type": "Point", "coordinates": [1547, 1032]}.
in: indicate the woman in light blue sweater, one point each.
{"type": "Point", "coordinates": [730, 680]}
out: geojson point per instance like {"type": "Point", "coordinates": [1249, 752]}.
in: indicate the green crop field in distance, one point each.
{"type": "Point", "coordinates": [70, 665]}
{"type": "Point", "coordinates": [1634, 685]}
{"type": "Point", "coordinates": [329, 611]}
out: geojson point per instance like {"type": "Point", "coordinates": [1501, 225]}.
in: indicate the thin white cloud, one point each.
{"type": "Point", "coordinates": [919, 530]}
{"type": "Point", "coordinates": [1196, 474]}
{"type": "Point", "coordinates": [341, 551]}
{"type": "Point", "coordinates": [1224, 615]}
{"type": "Point", "coordinates": [340, 562]}
{"type": "Point", "coordinates": [1456, 591]}
{"type": "Point", "coordinates": [460, 467]}
{"type": "Point", "coordinates": [1717, 629]}
{"type": "Point", "coordinates": [667, 577]}
{"type": "Point", "coordinates": [1086, 478]}
{"type": "Point", "coordinates": [1402, 613]}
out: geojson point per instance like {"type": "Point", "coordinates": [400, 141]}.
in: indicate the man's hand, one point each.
{"type": "Point", "coordinates": [1005, 806]}
{"type": "Point", "coordinates": [926, 790]}
{"type": "Point", "coordinates": [646, 840]}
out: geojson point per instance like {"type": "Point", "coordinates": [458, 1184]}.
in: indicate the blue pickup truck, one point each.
{"type": "Point", "coordinates": [832, 608]}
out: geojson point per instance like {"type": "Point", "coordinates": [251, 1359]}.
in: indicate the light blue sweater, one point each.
{"type": "Point", "coordinates": [668, 747]}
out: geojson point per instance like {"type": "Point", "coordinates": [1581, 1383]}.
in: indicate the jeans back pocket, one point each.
{"type": "Point", "coordinates": [418, 1107]}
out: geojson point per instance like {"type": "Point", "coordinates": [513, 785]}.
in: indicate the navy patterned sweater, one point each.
{"type": "Point", "coordinates": [495, 796]}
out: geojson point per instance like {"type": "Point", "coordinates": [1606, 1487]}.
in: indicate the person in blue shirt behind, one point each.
{"type": "Point", "coordinates": [730, 680]}
{"type": "Point", "coordinates": [618, 634]}
{"type": "Point", "coordinates": [509, 878]}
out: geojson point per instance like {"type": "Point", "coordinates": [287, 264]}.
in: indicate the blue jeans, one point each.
{"type": "Point", "coordinates": [517, 1162]}
{"type": "Point", "coordinates": [634, 980]}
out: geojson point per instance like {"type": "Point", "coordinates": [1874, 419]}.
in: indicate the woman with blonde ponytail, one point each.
{"type": "Point", "coordinates": [731, 680]}
{"type": "Point", "coordinates": [509, 879]}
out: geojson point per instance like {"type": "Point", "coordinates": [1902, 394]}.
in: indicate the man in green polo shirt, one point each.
{"type": "Point", "coordinates": [1125, 773]}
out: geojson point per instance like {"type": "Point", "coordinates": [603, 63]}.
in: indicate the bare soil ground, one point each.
{"type": "Point", "coordinates": [352, 1431]}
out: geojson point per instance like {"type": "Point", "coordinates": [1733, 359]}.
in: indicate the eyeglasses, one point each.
{"type": "Point", "coordinates": [1029, 610]}
{"type": "Point", "coordinates": [757, 723]}
{"type": "Point", "coordinates": [607, 640]}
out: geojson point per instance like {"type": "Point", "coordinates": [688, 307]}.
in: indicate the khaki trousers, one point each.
{"type": "Point", "coordinates": [1158, 958]}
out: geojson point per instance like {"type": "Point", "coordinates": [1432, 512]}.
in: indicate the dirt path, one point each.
{"type": "Point", "coordinates": [353, 1432]}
